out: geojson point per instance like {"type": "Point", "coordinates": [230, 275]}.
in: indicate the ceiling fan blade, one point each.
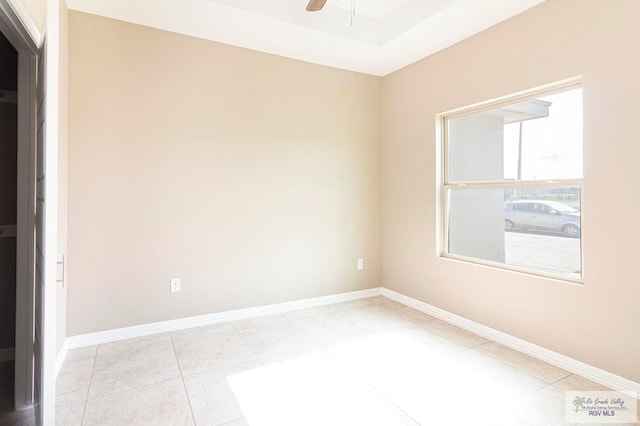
{"type": "Point", "coordinates": [315, 5]}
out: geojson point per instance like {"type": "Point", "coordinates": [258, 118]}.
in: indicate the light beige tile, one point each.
{"type": "Point", "coordinates": [81, 354]}
{"type": "Point", "coordinates": [579, 383]}
{"type": "Point", "coordinates": [349, 305]}
{"type": "Point", "coordinates": [309, 313]}
{"type": "Point", "coordinates": [432, 339]}
{"type": "Point", "coordinates": [399, 309]}
{"type": "Point", "coordinates": [491, 387]}
{"type": "Point", "coordinates": [456, 334]}
{"type": "Point", "coordinates": [72, 384]}
{"type": "Point", "coordinates": [377, 351]}
{"type": "Point", "coordinates": [393, 361]}
{"type": "Point", "coordinates": [332, 328]}
{"type": "Point", "coordinates": [287, 356]}
{"type": "Point", "coordinates": [490, 376]}
{"type": "Point", "coordinates": [546, 407]}
{"type": "Point", "coordinates": [535, 367]}
{"type": "Point", "coordinates": [69, 414]}
{"type": "Point", "coordinates": [132, 345]}
{"type": "Point", "coordinates": [238, 422]}
{"type": "Point", "coordinates": [380, 301]}
{"type": "Point", "coordinates": [411, 315]}
{"type": "Point", "coordinates": [72, 397]}
{"type": "Point", "coordinates": [409, 373]}
{"type": "Point", "coordinates": [212, 399]}
{"type": "Point", "coordinates": [207, 348]}
{"type": "Point", "coordinates": [277, 341]}
{"type": "Point", "coordinates": [163, 403]}
{"type": "Point", "coordinates": [127, 365]}
{"type": "Point", "coordinates": [209, 332]}
{"type": "Point", "coordinates": [451, 389]}
{"type": "Point", "coordinates": [310, 390]}
{"type": "Point", "coordinates": [385, 413]}
{"type": "Point", "coordinates": [376, 318]}
{"type": "Point", "coordinates": [260, 322]}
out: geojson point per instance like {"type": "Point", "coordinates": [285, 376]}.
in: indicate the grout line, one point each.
{"type": "Point", "coordinates": [562, 378]}
{"type": "Point", "coordinates": [391, 402]}
{"type": "Point", "coordinates": [232, 421]}
{"type": "Point", "coordinates": [184, 385]}
{"type": "Point", "coordinates": [231, 323]}
{"type": "Point", "coordinates": [346, 370]}
{"type": "Point", "coordinates": [289, 322]}
{"type": "Point", "coordinates": [319, 346]}
{"type": "Point", "coordinates": [323, 346]}
{"type": "Point", "coordinates": [245, 342]}
{"type": "Point", "coordinates": [86, 398]}
{"type": "Point", "coordinates": [517, 365]}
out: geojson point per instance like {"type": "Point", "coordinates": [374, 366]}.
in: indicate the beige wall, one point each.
{"type": "Point", "coordinates": [598, 322]}
{"type": "Point", "coordinates": [63, 181]}
{"type": "Point", "coordinates": [253, 178]}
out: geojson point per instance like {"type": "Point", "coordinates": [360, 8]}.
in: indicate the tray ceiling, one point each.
{"type": "Point", "coordinates": [381, 37]}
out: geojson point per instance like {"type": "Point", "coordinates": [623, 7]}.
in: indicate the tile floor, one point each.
{"type": "Point", "coordinates": [365, 362]}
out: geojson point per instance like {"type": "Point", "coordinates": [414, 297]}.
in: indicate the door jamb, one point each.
{"type": "Point", "coordinates": [20, 30]}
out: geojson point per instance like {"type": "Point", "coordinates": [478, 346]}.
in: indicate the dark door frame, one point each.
{"type": "Point", "coordinates": [19, 29]}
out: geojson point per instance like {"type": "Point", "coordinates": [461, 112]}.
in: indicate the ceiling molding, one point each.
{"type": "Point", "coordinates": [210, 20]}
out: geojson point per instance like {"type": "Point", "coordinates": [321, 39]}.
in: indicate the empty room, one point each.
{"type": "Point", "coordinates": [325, 212]}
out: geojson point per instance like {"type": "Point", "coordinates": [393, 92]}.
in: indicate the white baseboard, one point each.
{"type": "Point", "coordinates": [592, 373]}
{"type": "Point", "coordinates": [7, 354]}
{"type": "Point", "coordinates": [62, 355]}
{"type": "Point", "coordinates": [595, 374]}
{"type": "Point", "coordinates": [100, 337]}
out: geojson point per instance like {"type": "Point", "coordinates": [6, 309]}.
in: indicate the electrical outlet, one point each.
{"type": "Point", "coordinates": [360, 264]}
{"type": "Point", "coordinates": [175, 285]}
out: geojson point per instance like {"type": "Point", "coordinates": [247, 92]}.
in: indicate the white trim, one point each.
{"type": "Point", "coordinates": [25, 18]}
{"type": "Point", "coordinates": [7, 354]}
{"type": "Point", "coordinates": [521, 96]}
{"type": "Point", "coordinates": [19, 17]}
{"type": "Point", "coordinates": [590, 372]}
{"type": "Point", "coordinates": [51, 50]}
{"type": "Point", "coordinates": [62, 355]}
{"type": "Point", "coordinates": [444, 186]}
{"type": "Point", "coordinates": [100, 337]}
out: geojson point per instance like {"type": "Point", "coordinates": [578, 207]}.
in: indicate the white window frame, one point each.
{"type": "Point", "coordinates": [444, 185]}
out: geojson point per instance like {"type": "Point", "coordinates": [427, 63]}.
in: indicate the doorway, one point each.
{"type": "Point", "coordinates": [34, 344]}
{"type": "Point", "coordinates": [8, 221]}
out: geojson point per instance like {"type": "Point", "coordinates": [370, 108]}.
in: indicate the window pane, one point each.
{"type": "Point", "coordinates": [534, 228]}
{"type": "Point", "coordinates": [529, 140]}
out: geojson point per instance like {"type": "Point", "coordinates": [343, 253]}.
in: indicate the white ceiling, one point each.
{"type": "Point", "coordinates": [382, 36]}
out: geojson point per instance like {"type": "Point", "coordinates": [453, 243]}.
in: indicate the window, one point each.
{"type": "Point", "coordinates": [512, 182]}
